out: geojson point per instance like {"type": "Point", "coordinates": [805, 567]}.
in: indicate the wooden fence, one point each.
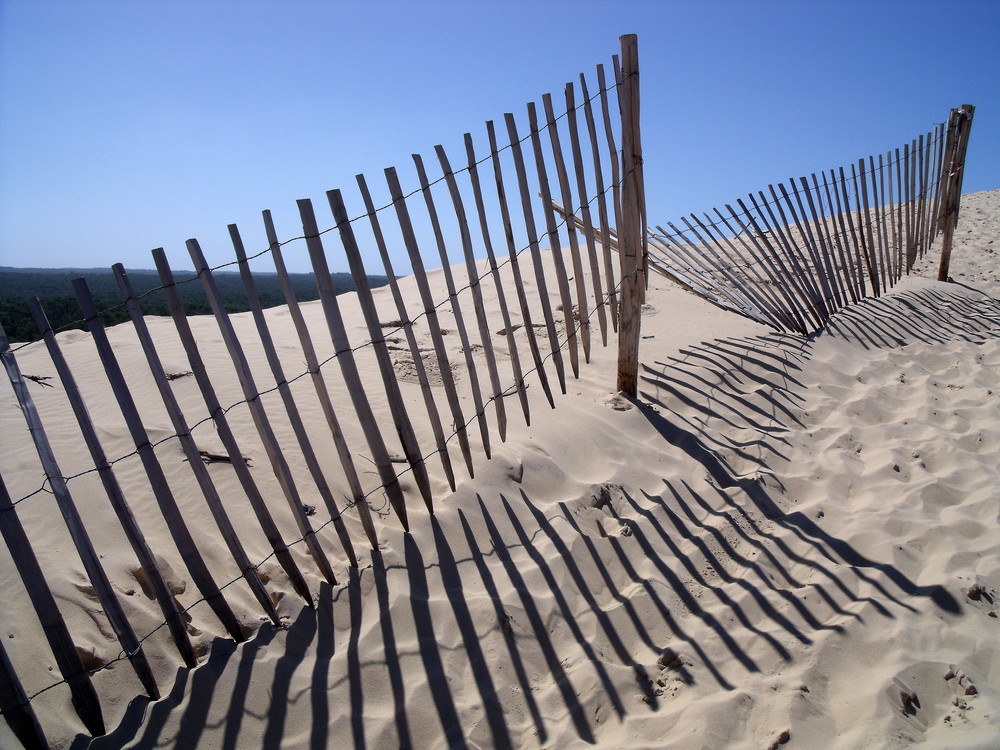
{"type": "Point", "coordinates": [506, 194]}
{"type": "Point", "coordinates": [792, 256]}
{"type": "Point", "coordinates": [538, 219]}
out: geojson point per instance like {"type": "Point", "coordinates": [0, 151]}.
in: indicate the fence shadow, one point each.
{"type": "Point", "coordinates": [511, 620]}
{"type": "Point", "coordinates": [512, 608]}
{"type": "Point", "coordinates": [936, 314]}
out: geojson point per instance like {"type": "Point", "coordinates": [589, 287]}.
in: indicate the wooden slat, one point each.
{"type": "Point", "coordinates": [430, 312]}
{"type": "Point", "coordinates": [691, 283]}
{"type": "Point", "coordinates": [871, 201]}
{"type": "Point", "coordinates": [801, 299]}
{"type": "Point", "coordinates": [894, 237]}
{"type": "Point", "coordinates": [515, 266]}
{"type": "Point", "coordinates": [515, 359]}
{"type": "Point", "coordinates": [724, 263]}
{"type": "Point", "coordinates": [319, 383]}
{"type": "Point", "coordinates": [677, 267]}
{"type": "Point", "coordinates": [900, 216]}
{"type": "Point", "coordinates": [735, 271]}
{"type": "Point", "coordinates": [225, 432]}
{"type": "Point", "coordinates": [915, 202]}
{"type": "Point", "coordinates": [937, 177]}
{"type": "Point", "coordinates": [562, 177]}
{"type": "Point", "coordinates": [81, 540]}
{"type": "Point", "coordinates": [690, 255]}
{"type": "Point", "coordinates": [818, 241]}
{"type": "Point", "coordinates": [456, 307]}
{"type": "Point", "coordinates": [147, 560]}
{"type": "Point", "coordinates": [945, 216]}
{"type": "Point", "coordinates": [782, 283]}
{"type": "Point", "coordinates": [276, 458]}
{"type": "Point", "coordinates": [796, 261]}
{"type": "Point", "coordinates": [824, 217]}
{"type": "Point", "coordinates": [862, 237]}
{"type": "Point", "coordinates": [798, 264]}
{"type": "Point", "coordinates": [348, 366]}
{"type": "Point", "coordinates": [17, 710]}
{"type": "Point", "coordinates": [747, 268]}
{"type": "Point", "coordinates": [924, 162]}
{"type": "Point", "coordinates": [201, 576]}
{"type": "Point", "coordinates": [400, 417]}
{"type": "Point", "coordinates": [536, 258]}
{"type": "Point", "coordinates": [602, 204]}
{"type": "Point", "coordinates": [287, 399]}
{"type": "Point", "coordinates": [760, 271]}
{"type": "Point", "coordinates": [908, 175]}
{"type": "Point", "coordinates": [833, 221]}
{"type": "Point", "coordinates": [613, 157]}
{"type": "Point", "coordinates": [878, 208]}
{"type": "Point", "coordinates": [477, 293]}
{"type": "Point", "coordinates": [871, 234]}
{"type": "Point", "coordinates": [927, 192]}
{"type": "Point", "coordinates": [588, 231]}
{"type": "Point", "coordinates": [609, 135]}
{"type": "Point", "coordinates": [915, 197]}
{"type": "Point", "coordinates": [903, 180]}
{"type": "Point", "coordinates": [922, 203]}
{"type": "Point", "coordinates": [948, 166]}
{"type": "Point", "coordinates": [883, 221]}
{"type": "Point", "coordinates": [411, 340]}
{"type": "Point", "coordinates": [555, 244]}
{"type": "Point", "coordinates": [816, 265]}
{"type": "Point", "coordinates": [845, 212]}
{"type": "Point", "coordinates": [82, 693]}
{"type": "Point", "coordinates": [768, 232]}
{"type": "Point", "coordinates": [864, 226]}
{"type": "Point", "coordinates": [793, 255]}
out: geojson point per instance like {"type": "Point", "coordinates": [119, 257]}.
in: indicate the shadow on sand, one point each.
{"type": "Point", "coordinates": [510, 623]}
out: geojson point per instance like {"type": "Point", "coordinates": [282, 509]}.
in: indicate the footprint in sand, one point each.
{"type": "Point", "coordinates": [938, 699]}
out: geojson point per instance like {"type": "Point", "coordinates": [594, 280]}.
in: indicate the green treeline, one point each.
{"type": "Point", "coordinates": [54, 288]}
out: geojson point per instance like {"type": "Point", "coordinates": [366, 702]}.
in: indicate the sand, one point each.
{"type": "Point", "coordinates": [784, 542]}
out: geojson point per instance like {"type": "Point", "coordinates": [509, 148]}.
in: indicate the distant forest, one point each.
{"type": "Point", "coordinates": [53, 286]}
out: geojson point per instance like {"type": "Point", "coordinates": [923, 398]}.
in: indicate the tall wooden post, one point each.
{"type": "Point", "coordinates": [632, 232]}
{"type": "Point", "coordinates": [959, 125]}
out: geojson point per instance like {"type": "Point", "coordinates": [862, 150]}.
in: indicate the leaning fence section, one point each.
{"type": "Point", "coordinates": [791, 256]}
{"type": "Point", "coordinates": [500, 294]}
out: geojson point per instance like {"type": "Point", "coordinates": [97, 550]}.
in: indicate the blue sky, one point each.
{"type": "Point", "coordinates": [126, 126]}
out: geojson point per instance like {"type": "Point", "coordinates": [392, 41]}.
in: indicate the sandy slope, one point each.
{"type": "Point", "coordinates": [785, 543]}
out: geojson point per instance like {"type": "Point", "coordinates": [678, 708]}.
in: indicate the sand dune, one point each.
{"type": "Point", "coordinates": [785, 542]}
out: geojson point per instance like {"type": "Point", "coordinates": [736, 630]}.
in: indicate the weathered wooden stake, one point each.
{"type": "Point", "coordinates": [632, 230]}
{"type": "Point", "coordinates": [958, 128]}
{"type": "Point", "coordinates": [17, 707]}
{"type": "Point", "coordinates": [82, 693]}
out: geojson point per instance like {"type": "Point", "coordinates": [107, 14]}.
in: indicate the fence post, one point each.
{"type": "Point", "coordinates": [954, 162]}
{"type": "Point", "coordinates": [632, 232]}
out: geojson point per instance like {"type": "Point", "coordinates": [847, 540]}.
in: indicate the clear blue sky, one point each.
{"type": "Point", "coordinates": [131, 125]}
